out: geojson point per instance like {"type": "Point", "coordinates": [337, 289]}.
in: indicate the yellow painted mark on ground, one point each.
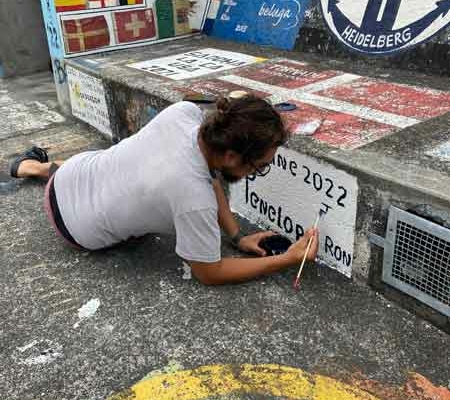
{"type": "Point", "coordinates": [222, 380]}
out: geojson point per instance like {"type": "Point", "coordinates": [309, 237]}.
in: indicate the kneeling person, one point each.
{"type": "Point", "coordinates": [164, 180]}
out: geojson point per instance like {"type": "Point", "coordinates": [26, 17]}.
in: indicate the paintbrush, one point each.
{"type": "Point", "coordinates": [308, 247]}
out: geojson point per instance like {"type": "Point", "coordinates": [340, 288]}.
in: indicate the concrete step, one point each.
{"type": "Point", "coordinates": [382, 142]}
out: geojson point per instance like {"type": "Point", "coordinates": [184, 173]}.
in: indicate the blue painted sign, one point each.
{"type": "Point", "coordinates": [385, 26]}
{"type": "Point", "coordinates": [270, 22]}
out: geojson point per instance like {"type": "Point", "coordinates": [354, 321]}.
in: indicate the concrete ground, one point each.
{"type": "Point", "coordinates": [148, 315]}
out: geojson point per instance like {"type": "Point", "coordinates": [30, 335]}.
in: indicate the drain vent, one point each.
{"type": "Point", "coordinates": [417, 259]}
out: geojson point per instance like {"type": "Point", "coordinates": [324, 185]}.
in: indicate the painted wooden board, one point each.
{"type": "Point", "coordinates": [265, 22]}
{"type": "Point", "coordinates": [195, 63]}
{"type": "Point", "coordinates": [88, 100]}
{"type": "Point", "coordinates": [289, 198]}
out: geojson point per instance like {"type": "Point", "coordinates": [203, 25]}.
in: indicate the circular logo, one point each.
{"type": "Point", "coordinates": [380, 27]}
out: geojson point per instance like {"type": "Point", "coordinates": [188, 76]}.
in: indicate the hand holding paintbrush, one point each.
{"type": "Point", "coordinates": [306, 248]}
{"type": "Point", "coordinates": [311, 248]}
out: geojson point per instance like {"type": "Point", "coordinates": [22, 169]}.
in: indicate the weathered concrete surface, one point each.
{"type": "Point", "coordinates": [149, 316]}
{"type": "Point", "coordinates": [396, 169]}
{"type": "Point", "coordinates": [23, 44]}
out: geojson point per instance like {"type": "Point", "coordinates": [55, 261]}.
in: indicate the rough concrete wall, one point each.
{"type": "Point", "coordinates": [430, 57]}
{"type": "Point", "coordinates": [23, 45]}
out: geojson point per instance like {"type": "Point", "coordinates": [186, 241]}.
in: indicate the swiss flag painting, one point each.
{"type": "Point", "coordinates": [131, 26]}
{"type": "Point", "coordinates": [84, 34]}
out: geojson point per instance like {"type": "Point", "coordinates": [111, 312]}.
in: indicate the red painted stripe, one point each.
{"type": "Point", "coordinates": [407, 101]}
{"type": "Point", "coordinates": [338, 129]}
{"type": "Point", "coordinates": [287, 74]}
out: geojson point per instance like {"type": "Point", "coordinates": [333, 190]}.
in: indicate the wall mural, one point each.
{"type": "Point", "coordinates": [89, 26]}
{"type": "Point", "coordinates": [266, 22]}
{"type": "Point", "coordinates": [385, 26]}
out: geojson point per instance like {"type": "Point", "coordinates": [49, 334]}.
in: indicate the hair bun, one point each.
{"type": "Point", "coordinates": [222, 105]}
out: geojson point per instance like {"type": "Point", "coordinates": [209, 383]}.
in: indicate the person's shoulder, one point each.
{"type": "Point", "coordinates": [185, 108]}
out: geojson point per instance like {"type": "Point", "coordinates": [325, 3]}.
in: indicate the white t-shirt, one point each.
{"type": "Point", "coordinates": [156, 181]}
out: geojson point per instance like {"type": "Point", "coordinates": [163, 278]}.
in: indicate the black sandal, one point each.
{"type": "Point", "coordinates": [35, 153]}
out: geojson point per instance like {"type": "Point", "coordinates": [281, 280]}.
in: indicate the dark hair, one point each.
{"type": "Point", "coordinates": [248, 125]}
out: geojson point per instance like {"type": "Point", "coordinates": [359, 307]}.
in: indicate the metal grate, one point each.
{"type": "Point", "coordinates": [417, 259]}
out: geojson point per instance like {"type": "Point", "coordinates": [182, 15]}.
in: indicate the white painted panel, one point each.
{"type": "Point", "coordinates": [195, 63]}
{"type": "Point", "coordinates": [87, 96]}
{"type": "Point", "coordinates": [290, 197]}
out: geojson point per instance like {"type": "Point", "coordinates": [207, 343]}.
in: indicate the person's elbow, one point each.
{"type": "Point", "coordinates": [207, 273]}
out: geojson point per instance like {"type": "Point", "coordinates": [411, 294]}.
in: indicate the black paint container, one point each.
{"type": "Point", "coordinates": [276, 244]}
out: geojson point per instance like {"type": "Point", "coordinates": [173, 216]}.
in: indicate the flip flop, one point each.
{"type": "Point", "coordinates": [35, 153]}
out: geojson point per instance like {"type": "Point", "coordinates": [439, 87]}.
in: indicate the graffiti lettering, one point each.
{"type": "Point", "coordinates": [52, 36]}
{"type": "Point", "coordinates": [275, 12]}
{"type": "Point", "coordinates": [59, 72]}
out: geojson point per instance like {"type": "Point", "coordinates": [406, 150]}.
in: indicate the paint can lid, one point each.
{"type": "Point", "coordinates": [276, 244]}
{"type": "Point", "coordinates": [282, 107]}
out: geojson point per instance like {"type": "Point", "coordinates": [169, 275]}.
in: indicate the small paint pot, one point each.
{"type": "Point", "coordinates": [237, 94]}
{"type": "Point", "coordinates": [284, 107]}
{"type": "Point", "coordinates": [276, 244]}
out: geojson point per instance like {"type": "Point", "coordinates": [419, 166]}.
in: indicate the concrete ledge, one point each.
{"type": "Point", "coordinates": [394, 170]}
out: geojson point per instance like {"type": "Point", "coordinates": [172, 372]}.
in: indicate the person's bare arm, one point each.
{"type": "Point", "coordinates": [226, 218]}
{"type": "Point", "coordinates": [230, 270]}
{"type": "Point", "coordinates": [228, 223]}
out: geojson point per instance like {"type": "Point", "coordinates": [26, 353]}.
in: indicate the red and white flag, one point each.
{"type": "Point", "coordinates": [83, 34]}
{"type": "Point", "coordinates": [131, 26]}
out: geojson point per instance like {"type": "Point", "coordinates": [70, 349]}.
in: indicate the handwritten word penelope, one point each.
{"type": "Point", "coordinates": [275, 215]}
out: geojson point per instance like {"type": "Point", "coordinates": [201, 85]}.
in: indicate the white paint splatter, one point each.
{"type": "Point", "coordinates": [442, 152]}
{"type": "Point", "coordinates": [187, 274]}
{"type": "Point", "coordinates": [171, 368]}
{"type": "Point", "coordinates": [309, 128]}
{"type": "Point", "coordinates": [28, 346]}
{"type": "Point", "coordinates": [87, 311]}
{"type": "Point", "coordinates": [41, 352]}
{"type": "Point", "coordinates": [43, 358]}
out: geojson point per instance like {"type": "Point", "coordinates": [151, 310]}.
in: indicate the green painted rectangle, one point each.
{"type": "Point", "coordinates": [164, 14]}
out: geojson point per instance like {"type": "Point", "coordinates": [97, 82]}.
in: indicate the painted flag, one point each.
{"type": "Point", "coordinates": [130, 2]}
{"type": "Point", "coordinates": [130, 26]}
{"type": "Point", "coordinates": [70, 5]}
{"type": "Point", "coordinates": [83, 34]}
{"type": "Point", "coordinates": [173, 17]}
{"type": "Point", "coordinates": [102, 3]}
